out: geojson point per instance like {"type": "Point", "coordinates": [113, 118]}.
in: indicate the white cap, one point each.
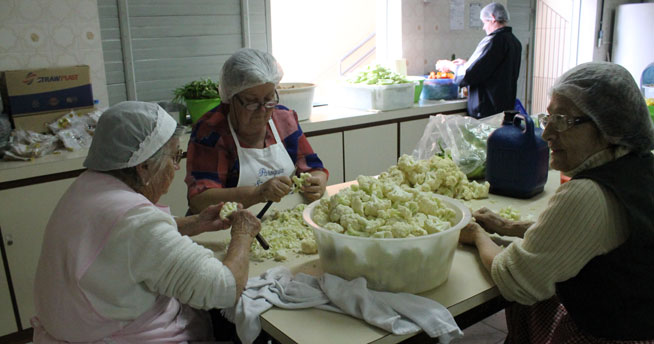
{"type": "Point", "coordinates": [247, 68]}
{"type": "Point", "coordinates": [128, 134]}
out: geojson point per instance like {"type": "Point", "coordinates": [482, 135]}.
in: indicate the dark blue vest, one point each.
{"type": "Point", "coordinates": [613, 295]}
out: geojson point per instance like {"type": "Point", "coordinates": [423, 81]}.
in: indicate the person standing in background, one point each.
{"type": "Point", "coordinates": [491, 73]}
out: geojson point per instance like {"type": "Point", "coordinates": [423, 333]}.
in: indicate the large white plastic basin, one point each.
{"type": "Point", "coordinates": [411, 265]}
{"type": "Point", "coordinates": [297, 96]}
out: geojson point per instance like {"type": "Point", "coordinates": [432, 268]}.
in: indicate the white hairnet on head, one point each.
{"type": "Point", "coordinates": [494, 11]}
{"type": "Point", "coordinates": [607, 93]}
{"type": "Point", "coordinates": [128, 134]}
{"type": "Point", "coordinates": [247, 68]}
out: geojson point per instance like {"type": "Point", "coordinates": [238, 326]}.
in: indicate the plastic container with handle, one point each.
{"type": "Point", "coordinates": [517, 157]}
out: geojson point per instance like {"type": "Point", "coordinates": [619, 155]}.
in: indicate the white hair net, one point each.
{"type": "Point", "coordinates": [128, 134]}
{"type": "Point", "coordinates": [494, 11]}
{"type": "Point", "coordinates": [247, 68]}
{"type": "Point", "coordinates": [607, 93]}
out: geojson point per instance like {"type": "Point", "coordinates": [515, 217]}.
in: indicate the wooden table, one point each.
{"type": "Point", "coordinates": [469, 293]}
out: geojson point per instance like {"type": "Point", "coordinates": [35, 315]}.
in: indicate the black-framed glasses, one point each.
{"type": "Point", "coordinates": [177, 157]}
{"type": "Point", "coordinates": [256, 105]}
{"type": "Point", "coordinates": [561, 123]}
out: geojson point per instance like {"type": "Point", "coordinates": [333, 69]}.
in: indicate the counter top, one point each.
{"type": "Point", "coordinates": [323, 118]}
{"type": "Point", "coordinates": [468, 286]}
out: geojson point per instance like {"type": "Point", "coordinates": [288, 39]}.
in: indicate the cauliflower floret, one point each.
{"type": "Point", "coordinates": [281, 255]}
{"type": "Point", "coordinates": [401, 229]}
{"type": "Point", "coordinates": [334, 227]}
{"type": "Point", "coordinates": [372, 207]}
{"type": "Point", "coordinates": [299, 181]}
{"type": "Point", "coordinates": [373, 225]}
{"type": "Point", "coordinates": [338, 212]}
{"type": "Point", "coordinates": [341, 198]}
{"type": "Point", "coordinates": [320, 216]}
{"type": "Point", "coordinates": [357, 205]}
{"type": "Point", "coordinates": [509, 213]}
{"type": "Point", "coordinates": [434, 225]}
{"type": "Point", "coordinates": [309, 246]}
{"type": "Point", "coordinates": [395, 193]}
{"type": "Point", "coordinates": [353, 222]}
{"type": "Point", "coordinates": [284, 231]}
{"type": "Point", "coordinates": [227, 209]}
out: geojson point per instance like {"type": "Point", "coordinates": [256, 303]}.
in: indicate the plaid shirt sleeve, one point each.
{"type": "Point", "coordinates": [212, 159]}
{"type": "Point", "coordinates": [295, 142]}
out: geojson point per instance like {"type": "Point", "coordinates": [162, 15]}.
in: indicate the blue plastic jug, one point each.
{"type": "Point", "coordinates": [517, 157]}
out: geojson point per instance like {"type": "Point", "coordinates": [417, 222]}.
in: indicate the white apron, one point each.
{"type": "Point", "coordinates": [76, 233]}
{"type": "Point", "coordinates": [258, 165]}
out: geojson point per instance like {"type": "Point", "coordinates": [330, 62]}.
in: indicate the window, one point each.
{"type": "Point", "coordinates": [318, 41]}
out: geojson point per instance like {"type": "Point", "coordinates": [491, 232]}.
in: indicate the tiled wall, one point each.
{"type": "Point", "coordinates": [49, 33]}
{"type": "Point", "coordinates": [426, 34]}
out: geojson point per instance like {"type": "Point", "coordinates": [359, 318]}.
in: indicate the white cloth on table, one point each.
{"type": "Point", "coordinates": [399, 313]}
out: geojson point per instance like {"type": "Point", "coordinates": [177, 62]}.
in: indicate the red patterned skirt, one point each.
{"type": "Point", "coordinates": [548, 322]}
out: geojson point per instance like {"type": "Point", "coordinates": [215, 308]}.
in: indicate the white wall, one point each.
{"type": "Point", "coordinates": [52, 33]}
{"type": "Point", "coordinates": [426, 34]}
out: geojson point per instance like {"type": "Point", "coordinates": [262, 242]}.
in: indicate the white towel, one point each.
{"type": "Point", "coordinates": [399, 313]}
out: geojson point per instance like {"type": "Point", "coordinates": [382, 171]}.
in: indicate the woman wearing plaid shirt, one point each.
{"type": "Point", "coordinates": [246, 149]}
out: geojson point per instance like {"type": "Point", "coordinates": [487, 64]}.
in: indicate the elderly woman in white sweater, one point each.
{"type": "Point", "coordinates": [115, 266]}
{"type": "Point", "coordinates": [584, 271]}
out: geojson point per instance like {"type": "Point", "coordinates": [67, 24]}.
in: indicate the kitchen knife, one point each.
{"type": "Point", "coordinates": [263, 210]}
{"type": "Point", "coordinates": [259, 237]}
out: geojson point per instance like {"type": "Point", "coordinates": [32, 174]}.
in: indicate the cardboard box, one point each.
{"type": "Point", "coordinates": [33, 97]}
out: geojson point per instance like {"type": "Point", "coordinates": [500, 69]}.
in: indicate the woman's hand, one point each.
{"type": "Point", "coordinates": [245, 227]}
{"type": "Point", "coordinates": [493, 223]}
{"type": "Point", "coordinates": [207, 221]}
{"type": "Point", "coordinates": [244, 223]}
{"type": "Point", "coordinates": [210, 219]}
{"type": "Point", "coordinates": [275, 188]}
{"type": "Point", "coordinates": [469, 234]}
{"type": "Point", "coordinates": [315, 186]}
{"type": "Point", "coordinates": [473, 234]}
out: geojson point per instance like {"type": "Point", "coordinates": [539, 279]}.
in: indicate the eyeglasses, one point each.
{"type": "Point", "coordinates": [561, 123]}
{"type": "Point", "coordinates": [256, 105]}
{"type": "Point", "coordinates": [177, 157]}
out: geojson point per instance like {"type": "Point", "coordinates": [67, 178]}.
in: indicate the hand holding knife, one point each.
{"type": "Point", "coordinates": [259, 237]}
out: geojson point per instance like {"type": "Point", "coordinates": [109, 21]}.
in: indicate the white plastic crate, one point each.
{"type": "Point", "coordinates": [375, 97]}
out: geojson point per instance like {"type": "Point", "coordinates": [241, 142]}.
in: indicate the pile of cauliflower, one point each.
{"type": "Point", "coordinates": [437, 174]}
{"type": "Point", "coordinates": [286, 233]}
{"type": "Point", "coordinates": [400, 203]}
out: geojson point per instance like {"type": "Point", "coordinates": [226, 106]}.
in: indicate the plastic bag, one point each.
{"type": "Point", "coordinates": [71, 132]}
{"type": "Point", "coordinates": [462, 138]}
{"type": "Point", "coordinates": [75, 130]}
{"type": "Point", "coordinates": [27, 145]}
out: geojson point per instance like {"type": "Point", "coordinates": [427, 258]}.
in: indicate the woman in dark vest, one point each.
{"type": "Point", "coordinates": [584, 271]}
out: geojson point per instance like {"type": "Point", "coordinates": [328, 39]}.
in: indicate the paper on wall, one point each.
{"type": "Point", "coordinates": [475, 11]}
{"type": "Point", "coordinates": [457, 12]}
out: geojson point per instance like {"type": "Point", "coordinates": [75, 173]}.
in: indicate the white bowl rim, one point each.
{"type": "Point", "coordinates": [299, 86]}
{"type": "Point", "coordinates": [465, 219]}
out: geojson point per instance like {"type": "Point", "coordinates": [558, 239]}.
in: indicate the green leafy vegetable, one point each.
{"type": "Point", "coordinates": [378, 75]}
